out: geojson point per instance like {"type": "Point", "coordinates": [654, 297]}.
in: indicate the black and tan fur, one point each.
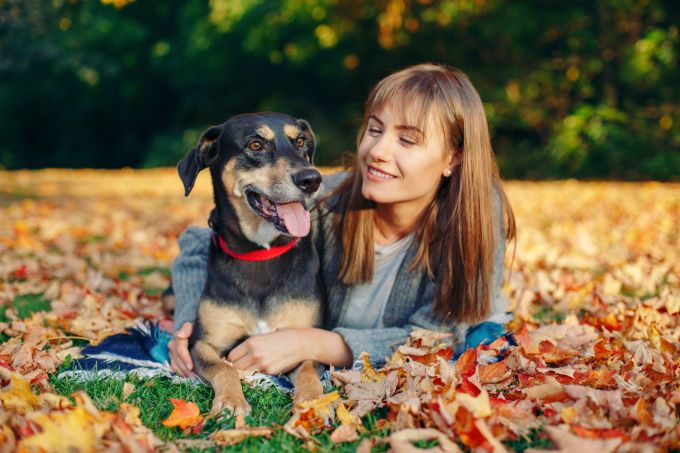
{"type": "Point", "coordinates": [269, 154]}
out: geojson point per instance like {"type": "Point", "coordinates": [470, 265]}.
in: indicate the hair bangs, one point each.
{"type": "Point", "coordinates": [410, 97]}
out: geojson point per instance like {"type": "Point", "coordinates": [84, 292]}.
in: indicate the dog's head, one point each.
{"type": "Point", "coordinates": [263, 162]}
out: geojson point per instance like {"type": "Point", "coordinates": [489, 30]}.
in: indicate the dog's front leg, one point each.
{"type": "Point", "coordinates": [222, 377]}
{"type": "Point", "coordinates": [307, 383]}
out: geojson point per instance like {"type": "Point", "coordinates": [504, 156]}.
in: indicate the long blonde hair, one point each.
{"type": "Point", "coordinates": [455, 232]}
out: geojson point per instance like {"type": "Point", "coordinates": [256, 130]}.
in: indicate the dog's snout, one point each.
{"type": "Point", "coordinates": [307, 180]}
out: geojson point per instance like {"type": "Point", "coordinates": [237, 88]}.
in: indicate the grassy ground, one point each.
{"type": "Point", "coordinates": [271, 407]}
{"type": "Point", "coordinates": [91, 251]}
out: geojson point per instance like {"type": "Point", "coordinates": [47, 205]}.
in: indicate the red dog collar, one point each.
{"type": "Point", "coordinates": [255, 255]}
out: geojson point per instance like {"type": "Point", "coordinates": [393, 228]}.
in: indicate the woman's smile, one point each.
{"type": "Point", "coordinates": [378, 175]}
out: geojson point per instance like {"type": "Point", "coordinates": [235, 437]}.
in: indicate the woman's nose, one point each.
{"type": "Point", "coordinates": [380, 149]}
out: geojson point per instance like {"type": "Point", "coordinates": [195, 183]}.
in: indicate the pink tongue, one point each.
{"type": "Point", "coordinates": [295, 217]}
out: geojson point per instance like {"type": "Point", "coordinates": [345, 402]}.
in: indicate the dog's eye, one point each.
{"type": "Point", "coordinates": [255, 145]}
{"type": "Point", "coordinates": [300, 142]}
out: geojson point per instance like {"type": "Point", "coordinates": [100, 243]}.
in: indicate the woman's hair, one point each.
{"type": "Point", "coordinates": [455, 232]}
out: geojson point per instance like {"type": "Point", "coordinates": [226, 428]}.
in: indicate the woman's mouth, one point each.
{"type": "Point", "coordinates": [375, 173]}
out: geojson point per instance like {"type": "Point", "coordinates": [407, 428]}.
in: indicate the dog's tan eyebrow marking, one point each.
{"type": "Point", "coordinates": [291, 131]}
{"type": "Point", "coordinates": [266, 132]}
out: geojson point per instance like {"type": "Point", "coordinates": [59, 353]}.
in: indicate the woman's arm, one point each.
{"type": "Point", "coordinates": [380, 343]}
{"type": "Point", "coordinates": [189, 273]}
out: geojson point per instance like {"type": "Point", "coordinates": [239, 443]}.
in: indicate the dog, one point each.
{"type": "Point", "coordinates": [262, 268]}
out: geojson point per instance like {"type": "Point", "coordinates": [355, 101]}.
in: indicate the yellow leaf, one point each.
{"type": "Point", "coordinates": [569, 415]}
{"type": "Point", "coordinates": [74, 430]}
{"type": "Point", "coordinates": [320, 405]}
{"type": "Point", "coordinates": [368, 374]}
{"type": "Point", "coordinates": [233, 436]}
{"type": "Point", "coordinates": [17, 396]}
{"type": "Point", "coordinates": [480, 406]}
{"type": "Point", "coordinates": [345, 417]}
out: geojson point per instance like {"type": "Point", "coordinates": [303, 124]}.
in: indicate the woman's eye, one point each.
{"type": "Point", "coordinates": [373, 131]}
{"type": "Point", "coordinates": [255, 145]}
{"type": "Point", "coordinates": [300, 142]}
{"type": "Point", "coordinates": [407, 141]}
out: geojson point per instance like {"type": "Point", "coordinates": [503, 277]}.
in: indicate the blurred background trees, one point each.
{"type": "Point", "coordinates": [583, 89]}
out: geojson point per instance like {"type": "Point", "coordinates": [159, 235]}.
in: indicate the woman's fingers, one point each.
{"type": "Point", "coordinates": [246, 362]}
{"type": "Point", "coordinates": [176, 363]}
{"type": "Point", "coordinates": [238, 353]}
{"type": "Point", "coordinates": [178, 348]}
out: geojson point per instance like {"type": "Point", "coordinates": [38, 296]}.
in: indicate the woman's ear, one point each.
{"type": "Point", "coordinates": [456, 159]}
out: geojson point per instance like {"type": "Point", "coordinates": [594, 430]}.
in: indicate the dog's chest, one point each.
{"type": "Point", "coordinates": [222, 324]}
{"type": "Point", "coordinates": [262, 326]}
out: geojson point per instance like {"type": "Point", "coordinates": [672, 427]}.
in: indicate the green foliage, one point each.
{"type": "Point", "coordinates": [580, 89]}
{"type": "Point", "coordinates": [27, 304]}
{"type": "Point", "coordinates": [534, 439]}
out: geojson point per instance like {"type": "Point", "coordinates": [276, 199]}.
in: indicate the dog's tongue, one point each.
{"type": "Point", "coordinates": [295, 217]}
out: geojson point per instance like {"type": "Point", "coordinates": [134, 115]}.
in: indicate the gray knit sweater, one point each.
{"type": "Point", "coordinates": [409, 305]}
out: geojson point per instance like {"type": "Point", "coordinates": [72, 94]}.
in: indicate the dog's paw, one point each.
{"type": "Point", "coordinates": [308, 392]}
{"type": "Point", "coordinates": [237, 404]}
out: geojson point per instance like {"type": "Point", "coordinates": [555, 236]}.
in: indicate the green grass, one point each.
{"type": "Point", "coordinates": [534, 439]}
{"type": "Point", "coordinates": [24, 305]}
{"type": "Point", "coordinates": [3, 318]}
{"type": "Point", "coordinates": [271, 407]}
{"type": "Point", "coordinates": [27, 304]}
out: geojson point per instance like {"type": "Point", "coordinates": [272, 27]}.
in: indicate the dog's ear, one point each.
{"type": "Point", "coordinates": [199, 158]}
{"type": "Point", "coordinates": [309, 135]}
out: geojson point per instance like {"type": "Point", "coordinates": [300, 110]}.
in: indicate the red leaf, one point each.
{"type": "Point", "coordinates": [20, 273]}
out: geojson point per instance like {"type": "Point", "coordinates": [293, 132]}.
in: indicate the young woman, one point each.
{"type": "Point", "coordinates": [412, 236]}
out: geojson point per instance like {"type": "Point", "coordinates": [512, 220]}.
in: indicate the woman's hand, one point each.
{"type": "Point", "coordinates": [178, 349]}
{"type": "Point", "coordinates": [281, 351]}
{"type": "Point", "coordinates": [272, 353]}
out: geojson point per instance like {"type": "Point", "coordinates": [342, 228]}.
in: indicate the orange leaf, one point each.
{"type": "Point", "coordinates": [466, 365]}
{"type": "Point", "coordinates": [601, 378]}
{"type": "Point", "coordinates": [591, 433]}
{"type": "Point", "coordinates": [494, 372]}
{"type": "Point", "coordinates": [641, 413]}
{"type": "Point", "coordinates": [468, 432]}
{"type": "Point", "coordinates": [184, 414]}
{"type": "Point", "coordinates": [552, 354]}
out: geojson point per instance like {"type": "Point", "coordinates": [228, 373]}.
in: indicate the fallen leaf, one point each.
{"type": "Point", "coordinates": [402, 441]}
{"type": "Point", "coordinates": [228, 437]}
{"type": "Point", "coordinates": [184, 414]}
{"type": "Point", "coordinates": [128, 388]}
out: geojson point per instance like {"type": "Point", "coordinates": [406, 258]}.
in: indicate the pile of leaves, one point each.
{"type": "Point", "coordinates": [584, 386]}
{"type": "Point", "coordinates": [593, 361]}
{"type": "Point", "coordinates": [49, 422]}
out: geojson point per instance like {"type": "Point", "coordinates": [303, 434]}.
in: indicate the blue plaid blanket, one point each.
{"type": "Point", "coordinates": [143, 351]}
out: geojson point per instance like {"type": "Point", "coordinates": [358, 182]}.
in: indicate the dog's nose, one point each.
{"type": "Point", "coordinates": [307, 180]}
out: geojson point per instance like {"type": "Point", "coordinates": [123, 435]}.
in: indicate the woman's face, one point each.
{"type": "Point", "coordinates": [400, 163]}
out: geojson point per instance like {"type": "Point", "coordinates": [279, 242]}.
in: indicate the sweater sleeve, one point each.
{"type": "Point", "coordinates": [189, 273]}
{"type": "Point", "coordinates": [379, 343]}
{"type": "Point", "coordinates": [499, 301]}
